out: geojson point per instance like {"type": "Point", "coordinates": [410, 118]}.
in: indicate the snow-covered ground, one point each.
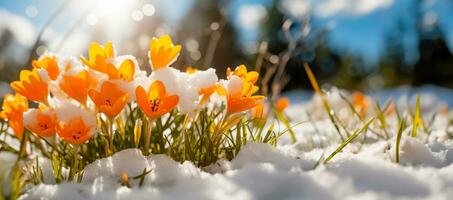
{"type": "Point", "coordinates": [260, 171]}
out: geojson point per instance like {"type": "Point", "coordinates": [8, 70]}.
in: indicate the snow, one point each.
{"type": "Point", "coordinates": [287, 171]}
{"type": "Point", "coordinates": [7, 161]}
{"type": "Point", "coordinates": [257, 153]}
{"type": "Point", "coordinates": [131, 161]}
{"type": "Point", "coordinates": [261, 171]}
{"type": "Point", "coordinates": [205, 78]}
{"type": "Point", "coordinates": [413, 152]}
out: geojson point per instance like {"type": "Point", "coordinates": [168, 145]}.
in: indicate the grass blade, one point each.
{"type": "Point", "coordinates": [399, 134]}
{"type": "Point", "coordinates": [382, 120]}
{"type": "Point", "coordinates": [326, 104]}
{"type": "Point", "coordinates": [417, 121]}
{"type": "Point", "coordinates": [280, 116]}
{"type": "Point", "coordinates": [349, 140]}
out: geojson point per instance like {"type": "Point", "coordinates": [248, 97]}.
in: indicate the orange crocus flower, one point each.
{"type": "Point", "coordinates": [360, 101]}
{"type": "Point", "coordinates": [44, 123]}
{"type": "Point", "coordinates": [49, 63]}
{"type": "Point", "coordinates": [162, 52]}
{"type": "Point", "coordinates": [241, 72]}
{"type": "Point", "coordinates": [206, 92]}
{"type": "Point", "coordinates": [239, 97]}
{"type": "Point", "coordinates": [220, 90]}
{"type": "Point", "coordinates": [75, 131]}
{"type": "Point", "coordinates": [13, 110]}
{"type": "Point", "coordinates": [110, 100]}
{"type": "Point", "coordinates": [260, 111]}
{"type": "Point", "coordinates": [98, 57]}
{"type": "Point", "coordinates": [76, 86]}
{"type": "Point", "coordinates": [281, 104]}
{"type": "Point", "coordinates": [31, 86]}
{"type": "Point", "coordinates": [125, 72]}
{"type": "Point", "coordinates": [156, 102]}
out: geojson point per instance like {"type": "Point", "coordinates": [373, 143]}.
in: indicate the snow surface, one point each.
{"type": "Point", "coordinates": [289, 171]}
{"type": "Point", "coordinates": [263, 172]}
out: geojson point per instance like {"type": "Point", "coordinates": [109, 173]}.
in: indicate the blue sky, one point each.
{"type": "Point", "coordinates": [19, 7]}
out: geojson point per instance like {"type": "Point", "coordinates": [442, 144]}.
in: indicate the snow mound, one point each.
{"type": "Point", "coordinates": [261, 171]}
{"type": "Point", "coordinates": [415, 153]}
{"type": "Point", "coordinates": [254, 153]}
{"type": "Point", "coordinates": [129, 161]}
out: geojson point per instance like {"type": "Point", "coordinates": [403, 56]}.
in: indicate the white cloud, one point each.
{"type": "Point", "coordinates": [252, 15]}
{"type": "Point", "coordinates": [350, 7]}
{"type": "Point", "coordinates": [296, 8]}
{"type": "Point", "coordinates": [326, 8]}
{"type": "Point", "coordinates": [22, 29]}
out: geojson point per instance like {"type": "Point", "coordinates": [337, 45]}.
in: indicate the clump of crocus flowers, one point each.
{"type": "Point", "coordinates": [106, 102]}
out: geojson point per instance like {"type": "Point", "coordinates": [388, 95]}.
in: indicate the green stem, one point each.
{"type": "Point", "coordinates": [110, 134]}
{"type": "Point", "coordinates": [186, 140]}
{"type": "Point", "coordinates": [75, 163]}
{"type": "Point", "coordinates": [23, 146]}
{"type": "Point", "coordinates": [148, 129]}
{"type": "Point", "coordinates": [40, 146]}
{"type": "Point", "coordinates": [220, 125]}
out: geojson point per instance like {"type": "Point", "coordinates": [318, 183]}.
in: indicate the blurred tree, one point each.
{"type": "Point", "coordinates": [392, 67]}
{"type": "Point", "coordinates": [397, 66]}
{"type": "Point", "coordinates": [312, 48]}
{"type": "Point", "coordinates": [435, 65]}
{"type": "Point", "coordinates": [207, 26]}
{"type": "Point", "coordinates": [6, 38]}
